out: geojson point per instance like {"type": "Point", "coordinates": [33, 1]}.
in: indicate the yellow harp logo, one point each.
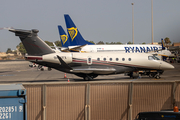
{"type": "Point", "coordinates": [64, 38]}
{"type": "Point", "coordinates": [72, 32]}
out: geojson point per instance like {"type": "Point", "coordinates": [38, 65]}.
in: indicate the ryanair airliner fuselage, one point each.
{"type": "Point", "coordinates": [75, 42]}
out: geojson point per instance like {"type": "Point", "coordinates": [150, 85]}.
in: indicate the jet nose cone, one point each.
{"type": "Point", "coordinates": [166, 66]}
{"type": "Point", "coordinates": [170, 66]}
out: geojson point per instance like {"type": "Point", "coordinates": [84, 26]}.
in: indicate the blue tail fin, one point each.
{"type": "Point", "coordinates": [74, 34]}
{"type": "Point", "coordinates": [162, 42]}
{"type": "Point", "coordinates": [64, 38]}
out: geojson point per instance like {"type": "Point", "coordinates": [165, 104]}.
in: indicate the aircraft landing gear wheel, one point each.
{"type": "Point", "coordinates": [157, 76]}
{"type": "Point", "coordinates": [49, 69]}
{"type": "Point", "coordinates": [87, 78]}
{"type": "Point", "coordinates": [152, 75]}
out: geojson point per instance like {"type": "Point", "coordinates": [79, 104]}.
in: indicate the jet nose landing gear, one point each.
{"type": "Point", "coordinates": [87, 78]}
{"type": "Point", "coordinates": [90, 77]}
{"type": "Point", "coordinates": [155, 74]}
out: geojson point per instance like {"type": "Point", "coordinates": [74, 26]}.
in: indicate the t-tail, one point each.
{"type": "Point", "coordinates": [74, 34]}
{"type": "Point", "coordinates": [32, 43]}
{"type": "Point", "coordinates": [64, 38]}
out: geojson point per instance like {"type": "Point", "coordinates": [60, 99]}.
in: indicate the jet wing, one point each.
{"type": "Point", "coordinates": [93, 70]}
{"type": "Point", "coordinates": [87, 69]}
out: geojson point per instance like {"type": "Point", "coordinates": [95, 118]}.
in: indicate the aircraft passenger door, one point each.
{"type": "Point", "coordinates": [89, 60]}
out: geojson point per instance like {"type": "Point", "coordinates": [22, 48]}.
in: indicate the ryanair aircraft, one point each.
{"type": "Point", "coordinates": [87, 65]}
{"type": "Point", "coordinates": [77, 43]}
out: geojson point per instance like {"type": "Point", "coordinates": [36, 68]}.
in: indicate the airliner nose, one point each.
{"type": "Point", "coordinates": [166, 66]}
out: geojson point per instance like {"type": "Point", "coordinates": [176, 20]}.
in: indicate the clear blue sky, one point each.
{"type": "Point", "coordinates": [97, 20]}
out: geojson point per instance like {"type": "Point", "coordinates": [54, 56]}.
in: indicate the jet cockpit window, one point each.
{"type": "Point", "coordinates": [153, 58]}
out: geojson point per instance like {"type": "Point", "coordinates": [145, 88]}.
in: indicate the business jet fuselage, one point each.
{"type": "Point", "coordinates": [86, 65]}
{"type": "Point", "coordinates": [90, 65]}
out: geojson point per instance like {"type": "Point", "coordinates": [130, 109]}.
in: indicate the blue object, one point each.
{"type": "Point", "coordinates": [13, 102]}
{"type": "Point", "coordinates": [75, 37]}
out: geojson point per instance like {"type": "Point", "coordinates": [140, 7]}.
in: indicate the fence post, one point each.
{"type": "Point", "coordinates": [87, 106]}
{"type": "Point", "coordinates": [130, 100]}
{"type": "Point", "coordinates": [44, 102]}
{"type": "Point", "coordinates": [173, 94]}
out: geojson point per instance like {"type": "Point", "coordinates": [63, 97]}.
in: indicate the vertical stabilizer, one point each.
{"type": "Point", "coordinates": [64, 38]}
{"type": "Point", "coordinates": [162, 42]}
{"type": "Point", "coordinates": [74, 34]}
{"type": "Point", "coordinates": [32, 43]}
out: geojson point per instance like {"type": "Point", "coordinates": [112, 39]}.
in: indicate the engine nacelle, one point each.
{"type": "Point", "coordinates": [66, 57]}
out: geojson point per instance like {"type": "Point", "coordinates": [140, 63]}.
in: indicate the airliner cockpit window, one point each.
{"type": "Point", "coordinates": [156, 58]}
{"type": "Point", "coordinates": [153, 58]}
{"type": "Point", "coordinates": [150, 58]}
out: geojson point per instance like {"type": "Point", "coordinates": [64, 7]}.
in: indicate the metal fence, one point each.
{"type": "Point", "coordinates": [98, 100]}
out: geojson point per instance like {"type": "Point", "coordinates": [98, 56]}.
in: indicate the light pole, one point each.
{"type": "Point", "coordinates": [132, 22]}
{"type": "Point", "coordinates": [152, 37]}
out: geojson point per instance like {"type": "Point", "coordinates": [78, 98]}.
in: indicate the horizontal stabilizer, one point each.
{"type": "Point", "coordinates": [76, 48]}
{"type": "Point", "coordinates": [32, 43]}
{"type": "Point", "coordinates": [19, 32]}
